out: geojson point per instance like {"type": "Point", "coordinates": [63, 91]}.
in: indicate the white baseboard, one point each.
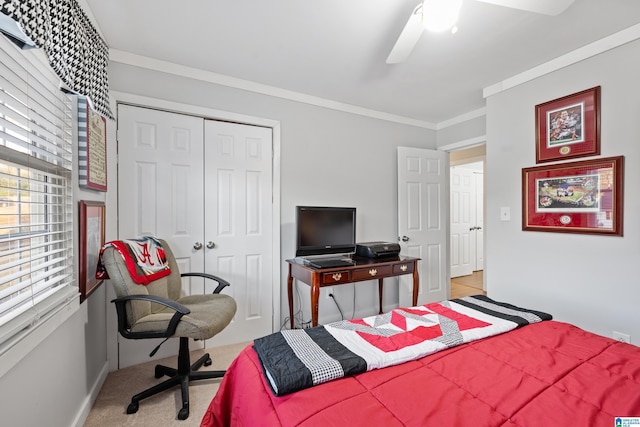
{"type": "Point", "coordinates": [87, 403]}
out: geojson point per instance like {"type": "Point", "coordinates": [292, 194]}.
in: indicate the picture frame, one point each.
{"type": "Point", "coordinates": [568, 127]}
{"type": "Point", "coordinates": [92, 236]}
{"type": "Point", "coordinates": [92, 147]}
{"type": "Point", "coordinates": [577, 197]}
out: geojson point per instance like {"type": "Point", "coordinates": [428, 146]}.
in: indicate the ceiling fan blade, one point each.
{"type": "Point", "coordinates": [408, 37]}
{"type": "Point", "coordinates": [546, 7]}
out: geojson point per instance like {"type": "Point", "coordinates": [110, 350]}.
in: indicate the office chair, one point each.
{"type": "Point", "coordinates": [157, 310]}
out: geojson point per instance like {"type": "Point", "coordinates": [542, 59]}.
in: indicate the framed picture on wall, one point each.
{"type": "Point", "coordinates": [92, 235]}
{"type": "Point", "coordinates": [576, 197]}
{"type": "Point", "coordinates": [92, 147]}
{"type": "Point", "coordinates": [568, 127]}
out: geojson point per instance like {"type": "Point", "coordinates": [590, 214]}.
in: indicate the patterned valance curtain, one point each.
{"type": "Point", "coordinates": [75, 50]}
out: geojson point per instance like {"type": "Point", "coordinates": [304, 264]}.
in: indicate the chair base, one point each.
{"type": "Point", "coordinates": [185, 373]}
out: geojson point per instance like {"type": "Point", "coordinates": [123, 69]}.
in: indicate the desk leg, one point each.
{"type": "Point", "coordinates": [290, 295]}
{"type": "Point", "coordinates": [380, 294]}
{"type": "Point", "coordinates": [416, 284]}
{"type": "Point", "coordinates": [315, 297]}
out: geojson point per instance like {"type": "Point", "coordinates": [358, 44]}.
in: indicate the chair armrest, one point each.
{"type": "Point", "coordinates": [221, 282]}
{"type": "Point", "coordinates": [180, 310]}
{"type": "Point", "coordinates": [176, 306]}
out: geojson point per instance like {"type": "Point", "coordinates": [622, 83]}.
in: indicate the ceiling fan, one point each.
{"type": "Point", "coordinates": [441, 15]}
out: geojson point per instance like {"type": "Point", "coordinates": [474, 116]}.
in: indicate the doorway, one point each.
{"type": "Point", "coordinates": [467, 211]}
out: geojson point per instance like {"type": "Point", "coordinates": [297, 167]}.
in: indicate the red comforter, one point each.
{"type": "Point", "coordinates": [545, 374]}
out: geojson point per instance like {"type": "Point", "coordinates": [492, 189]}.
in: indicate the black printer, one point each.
{"type": "Point", "coordinates": [377, 249]}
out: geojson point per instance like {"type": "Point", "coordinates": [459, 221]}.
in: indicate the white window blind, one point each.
{"type": "Point", "coordinates": [36, 211]}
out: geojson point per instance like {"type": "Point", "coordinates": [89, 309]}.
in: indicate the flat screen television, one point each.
{"type": "Point", "coordinates": [322, 230]}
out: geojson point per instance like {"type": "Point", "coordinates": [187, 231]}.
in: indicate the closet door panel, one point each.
{"type": "Point", "coordinates": [238, 188]}
{"type": "Point", "coordinates": [160, 193]}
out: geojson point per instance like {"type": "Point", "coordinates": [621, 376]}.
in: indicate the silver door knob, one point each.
{"type": "Point", "coordinates": [404, 238]}
{"type": "Point", "coordinates": [211, 245]}
{"type": "Point", "coordinates": [197, 246]}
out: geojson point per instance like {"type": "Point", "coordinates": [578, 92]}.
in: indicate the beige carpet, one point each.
{"type": "Point", "coordinates": [161, 409]}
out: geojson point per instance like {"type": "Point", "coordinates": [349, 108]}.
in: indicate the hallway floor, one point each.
{"type": "Point", "coordinates": [467, 285]}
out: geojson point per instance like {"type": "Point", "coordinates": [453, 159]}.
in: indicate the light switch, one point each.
{"type": "Point", "coordinates": [505, 214]}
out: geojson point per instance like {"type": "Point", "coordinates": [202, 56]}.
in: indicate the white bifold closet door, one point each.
{"type": "Point", "coordinates": [206, 188]}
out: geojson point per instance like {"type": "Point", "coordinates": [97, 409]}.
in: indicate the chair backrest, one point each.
{"type": "Point", "coordinates": [168, 287]}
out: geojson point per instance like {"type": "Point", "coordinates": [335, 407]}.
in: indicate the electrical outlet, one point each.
{"type": "Point", "coordinates": [622, 337]}
{"type": "Point", "coordinates": [328, 291]}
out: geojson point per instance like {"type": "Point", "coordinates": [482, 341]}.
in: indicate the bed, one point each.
{"type": "Point", "coordinates": [541, 373]}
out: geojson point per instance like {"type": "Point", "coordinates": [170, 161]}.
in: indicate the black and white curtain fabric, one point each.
{"type": "Point", "coordinates": [75, 50]}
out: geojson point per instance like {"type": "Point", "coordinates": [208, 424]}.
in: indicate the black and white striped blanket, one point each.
{"type": "Point", "coordinates": [296, 359]}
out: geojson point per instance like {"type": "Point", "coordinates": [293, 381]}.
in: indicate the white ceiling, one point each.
{"type": "Point", "coordinates": [336, 49]}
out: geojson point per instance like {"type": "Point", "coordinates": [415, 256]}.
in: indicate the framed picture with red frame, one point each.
{"type": "Point", "coordinates": [576, 197]}
{"type": "Point", "coordinates": [92, 235]}
{"type": "Point", "coordinates": [568, 127]}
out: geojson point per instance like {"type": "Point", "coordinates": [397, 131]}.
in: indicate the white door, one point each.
{"type": "Point", "coordinates": [463, 213]}
{"type": "Point", "coordinates": [238, 225]}
{"type": "Point", "coordinates": [479, 178]}
{"type": "Point", "coordinates": [160, 185]}
{"type": "Point", "coordinates": [423, 219]}
{"type": "Point", "coordinates": [162, 191]}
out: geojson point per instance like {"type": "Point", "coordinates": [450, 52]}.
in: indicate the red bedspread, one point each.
{"type": "Point", "coordinates": [546, 374]}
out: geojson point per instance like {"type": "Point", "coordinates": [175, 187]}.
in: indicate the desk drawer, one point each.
{"type": "Point", "coordinates": [335, 277]}
{"type": "Point", "coordinates": [403, 268]}
{"type": "Point", "coordinates": [372, 272]}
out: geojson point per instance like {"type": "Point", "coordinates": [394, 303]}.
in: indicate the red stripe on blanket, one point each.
{"type": "Point", "coordinates": [416, 334]}
{"type": "Point", "coordinates": [402, 340]}
{"type": "Point", "coordinates": [464, 322]}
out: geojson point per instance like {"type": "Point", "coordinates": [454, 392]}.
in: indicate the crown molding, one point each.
{"type": "Point", "coordinates": [464, 144]}
{"type": "Point", "coordinates": [610, 42]}
{"type": "Point", "coordinates": [600, 46]}
{"type": "Point", "coordinates": [462, 118]}
{"type": "Point", "coordinates": [135, 60]}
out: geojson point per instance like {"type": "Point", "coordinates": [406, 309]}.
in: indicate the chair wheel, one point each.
{"type": "Point", "coordinates": [132, 408]}
{"type": "Point", "coordinates": [208, 362]}
{"type": "Point", "coordinates": [158, 372]}
{"type": "Point", "coordinates": [183, 413]}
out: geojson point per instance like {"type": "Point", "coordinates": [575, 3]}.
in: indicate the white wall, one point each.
{"type": "Point", "coordinates": [591, 281]}
{"type": "Point", "coordinates": [328, 157]}
{"type": "Point", "coordinates": [56, 383]}
{"type": "Point", "coordinates": [463, 131]}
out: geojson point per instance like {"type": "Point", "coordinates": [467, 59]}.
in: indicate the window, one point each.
{"type": "Point", "coordinates": [36, 196]}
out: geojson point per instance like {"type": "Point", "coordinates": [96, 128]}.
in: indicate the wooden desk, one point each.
{"type": "Point", "coordinates": [364, 269]}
